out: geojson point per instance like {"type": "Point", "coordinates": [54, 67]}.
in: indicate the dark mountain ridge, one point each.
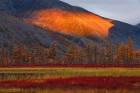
{"type": "Point", "coordinates": [19, 7]}
{"type": "Point", "coordinates": [138, 25]}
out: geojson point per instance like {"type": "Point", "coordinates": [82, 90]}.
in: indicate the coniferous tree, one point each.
{"type": "Point", "coordinates": [130, 50]}
{"type": "Point", "coordinates": [16, 58]}
{"type": "Point", "coordinates": [121, 54]}
{"type": "Point", "coordinates": [4, 57]}
{"type": "Point", "coordinates": [89, 53]}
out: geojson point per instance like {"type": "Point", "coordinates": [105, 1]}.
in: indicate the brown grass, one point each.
{"type": "Point", "coordinates": [68, 90]}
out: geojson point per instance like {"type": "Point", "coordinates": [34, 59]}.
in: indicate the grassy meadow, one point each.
{"type": "Point", "coordinates": [74, 90]}
{"type": "Point", "coordinates": [52, 72]}
{"type": "Point", "coordinates": [70, 80]}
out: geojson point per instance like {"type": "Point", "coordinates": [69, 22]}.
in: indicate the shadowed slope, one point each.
{"type": "Point", "coordinates": [120, 33]}
{"type": "Point", "coordinates": [14, 31]}
{"type": "Point", "coordinates": [138, 25]}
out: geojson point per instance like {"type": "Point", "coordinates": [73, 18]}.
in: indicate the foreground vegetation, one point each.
{"type": "Point", "coordinates": [56, 72]}
{"type": "Point", "coordinates": [70, 80]}
{"type": "Point", "coordinates": [68, 90]}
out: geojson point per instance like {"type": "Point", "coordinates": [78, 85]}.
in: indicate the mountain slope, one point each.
{"type": "Point", "coordinates": [61, 17]}
{"type": "Point", "coordinates": [70, 23]}
{"type": "Point", "coordinates": [138, 25]}
{"type": "Point", "coordinates": [120, 33]}
{"type": "Point", "coordinates": [66, 19]}
{"type": "Point", "coordinates": [14, 31]}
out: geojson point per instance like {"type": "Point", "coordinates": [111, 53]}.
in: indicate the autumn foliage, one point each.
{"type": "Point", "coordinates": [123, 54]}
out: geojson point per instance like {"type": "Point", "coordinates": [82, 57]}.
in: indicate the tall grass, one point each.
{"type": "Point", "coordinates": [68, 90]}
{"type": "Point", "coordinates": [28, 74]}
{"type": "Point", "coordinates": [45, 73]}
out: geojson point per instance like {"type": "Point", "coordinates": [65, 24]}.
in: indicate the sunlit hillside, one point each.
{"type": "Point", "coordinates": [71, 23]}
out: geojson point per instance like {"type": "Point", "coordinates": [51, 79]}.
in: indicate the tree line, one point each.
{"type": "Point", "coordinates": [90, 54]}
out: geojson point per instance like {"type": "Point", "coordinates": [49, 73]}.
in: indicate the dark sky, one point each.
{"type": "Point", "coordinates": [123, 10]}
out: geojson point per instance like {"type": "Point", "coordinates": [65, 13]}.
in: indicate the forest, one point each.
{"type": "Point", "coordinates": [109, 54]}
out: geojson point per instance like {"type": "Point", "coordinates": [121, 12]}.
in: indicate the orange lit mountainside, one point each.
{"type": "Point", "coordinates": [71, 23]}
{"type": "Point", "coordinates": [82, 26]}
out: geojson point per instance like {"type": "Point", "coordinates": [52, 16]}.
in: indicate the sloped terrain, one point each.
{"type": "Point", "coordinates": [120, 33]}
{"type": "Point", "coordinates": [138, 25]}
{"type": "Point", "coordinates": [14, 31]}
{"type": "Point", "coordinates": [76, 22]}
